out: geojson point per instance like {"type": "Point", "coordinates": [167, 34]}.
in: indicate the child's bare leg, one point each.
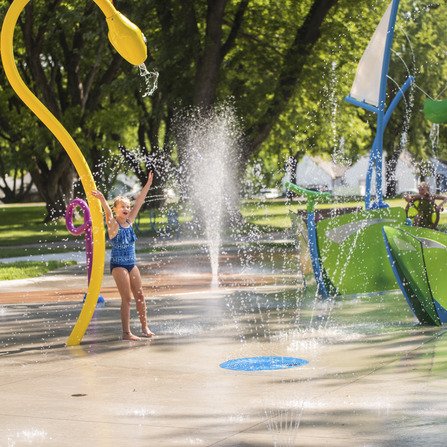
{"type": "Point", "coordinates": [122, 280]}
{"type": "Point", "coordinates": [137, 290]}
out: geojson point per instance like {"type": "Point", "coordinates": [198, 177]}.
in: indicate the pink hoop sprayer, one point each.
{"type": "Point", "coordinates": [85, 228]}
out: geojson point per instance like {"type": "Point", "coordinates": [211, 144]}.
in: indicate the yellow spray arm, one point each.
{"type": "Point", "coordinates": [125, 36]}
{"type": "Point", "coordinates": [129, 42]}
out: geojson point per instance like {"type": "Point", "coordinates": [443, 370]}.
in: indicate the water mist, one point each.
{"type": "Point", "coordinates": [210, 145]}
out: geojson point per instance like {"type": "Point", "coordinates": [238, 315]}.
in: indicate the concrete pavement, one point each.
{"type": "Point", "coordinates": [374, 378]}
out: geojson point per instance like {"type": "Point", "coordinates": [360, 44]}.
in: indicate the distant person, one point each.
{"type": "Point", "coordinates": [424, 203]}
{"type": "Point", "coordinates": [123, 263]}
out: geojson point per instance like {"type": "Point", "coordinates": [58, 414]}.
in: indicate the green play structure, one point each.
{"type": "Point", "coordinates": [436, 111]}
{"type": "Point", "coordinates": [377, 249]}
{"type": "Point", "coordinates": [419, 259]}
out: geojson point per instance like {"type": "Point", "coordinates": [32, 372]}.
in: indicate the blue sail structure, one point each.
{"type": "Point", "coordinates": [347, 251]}
{"type": "Point", "coordinates": [369, 92]}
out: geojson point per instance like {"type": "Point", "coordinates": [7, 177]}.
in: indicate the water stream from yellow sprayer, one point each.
{"type": "Point", "coordinates": [150, 79]}
{"type": "Point", "coordinates": [129, 41]}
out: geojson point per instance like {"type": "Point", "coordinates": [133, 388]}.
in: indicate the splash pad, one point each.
{"type": "Point", "coordinates": [364, 385]}
{"type": "Point", "coordinates": [364, 371]}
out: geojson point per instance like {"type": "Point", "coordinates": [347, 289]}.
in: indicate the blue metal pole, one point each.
{"type": "Point", "coordinates": [315, 255]}
{"type": "Point", "coordinates": [382, 103]}
{"type": "Point", "coordinates": [369, 173]}
{"type": "Point", "coordinates": [383, 116]}
{"type": "Point", "coordinates": [387, 55]}
{"type": "Point", "coordinates": [362, 104]}
{"type": "Point", "coordinates": [379, 159]}
{"type": "Point", "coordinates": [396, 100]}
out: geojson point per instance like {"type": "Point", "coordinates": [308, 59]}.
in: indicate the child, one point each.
{"type": "Point", "coordinates": [424, 202]}
{"type": "Point", "coordinates": [123, 263]}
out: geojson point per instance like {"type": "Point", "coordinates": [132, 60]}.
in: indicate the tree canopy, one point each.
{"type": "Point", "coordinates": [284, 66]}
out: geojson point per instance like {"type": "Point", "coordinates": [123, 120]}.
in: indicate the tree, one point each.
{"type": "Point", "coordinates": [13, 163]}
{"type": "Point", "coordinates": [285, 67]}
{"type": "Point", "coordinates": [417, 51]}
{"type": "Point", "coordinates": [76, 81]}
{"type": "Point", "coordinates": [252, 51]}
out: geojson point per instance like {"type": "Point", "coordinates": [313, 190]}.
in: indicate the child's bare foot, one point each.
{"type": "Point", "coordinates": [129, 336]}
{"type": "Point", "coordinates": [147, 332]}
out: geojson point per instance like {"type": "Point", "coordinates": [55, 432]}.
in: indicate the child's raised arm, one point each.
{"type": "Point", "coordinates": [99, 195]}
{"type": "Point", "coordinates": [141, 197]}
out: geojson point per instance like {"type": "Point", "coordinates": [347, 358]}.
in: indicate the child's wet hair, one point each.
{"type": "Point", "coordinates": [119, 199]}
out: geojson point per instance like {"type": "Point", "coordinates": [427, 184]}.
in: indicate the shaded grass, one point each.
{"type": "Point", "coordinates": [269, 216]}
{"type": "Point", "coordinates": [45, 248]}
{"type": "Point", "coordinates": [25, 269]}
{"type": "Point", "coordinates": [22, 224]}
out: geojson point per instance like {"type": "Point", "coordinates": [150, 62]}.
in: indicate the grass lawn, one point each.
{"type": "Point", "coordinates": [22, 224]}
{"type": "Point", "coordinates": [274, 215]}
{"type": "Point", "coordinates": [20, 270]}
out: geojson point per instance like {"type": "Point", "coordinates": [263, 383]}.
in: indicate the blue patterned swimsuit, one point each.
{"type": "Point", "coordinates": [123, 249]}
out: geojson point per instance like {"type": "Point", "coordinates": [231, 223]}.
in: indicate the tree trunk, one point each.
{"type": "Point", "coordinates": [208, 67]}
{"type": "Point", "coordinates": [53, 174]}
{"type": "Point", "coordinates": [294, 61]}
{"type": "Point", "coordinates": [55, 185]}
{"type": "Point", "coordinates": [18, 192]}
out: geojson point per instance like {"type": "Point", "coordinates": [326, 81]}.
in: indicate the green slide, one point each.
{"type": "Point", "coordinates": [419, 260]}
{"type": "Point", "coordinates": [352, 251]}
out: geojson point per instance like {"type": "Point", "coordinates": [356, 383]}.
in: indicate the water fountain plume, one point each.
{"type": "Point", "coordinates": [210, 142]}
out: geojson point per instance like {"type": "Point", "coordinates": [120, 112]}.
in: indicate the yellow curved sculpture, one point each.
{"type": "Point", "coordinates": [129, 41]}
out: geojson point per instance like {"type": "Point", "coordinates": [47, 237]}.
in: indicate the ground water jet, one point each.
{"type": "Point", "coordinates": [210, 142]}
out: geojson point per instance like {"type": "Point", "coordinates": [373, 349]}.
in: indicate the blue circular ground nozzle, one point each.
{"type": "Point", "coordinates": [263, 363]}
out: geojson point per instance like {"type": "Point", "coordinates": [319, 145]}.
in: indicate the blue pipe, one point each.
{"type": "Point", "coordinates": [369, 172]}
{"type": "Point", "coordinates": [362, 104]}
{"type": "Point", "coordinates": [399, 95]}
{"type": "Point", "coordinates": [383, 117]}
{"type": "Point", "coordinates": [379, 159]}
{"type": "Point", "coordinates": [315, 256]}
{"type": "Point", "coordinates": [387, 55]}
{"type": "Point", "coordinates": [378, 142]}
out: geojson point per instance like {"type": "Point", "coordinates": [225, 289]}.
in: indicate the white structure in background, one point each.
{"type": "Point", "coordinates": [440, 175]}
{"type": "Point", "coordinates": [317, 173]}
{"type": "Point", "coordinates": [406, 176]}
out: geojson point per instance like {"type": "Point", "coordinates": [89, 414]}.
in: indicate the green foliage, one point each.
{"type": "Point", "coordinates": [101, 111]}
{"type": "Point", "coordinates": [317, 117]}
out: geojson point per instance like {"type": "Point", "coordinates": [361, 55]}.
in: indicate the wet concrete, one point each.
{"type": "Point", "coordinates": [374, 378]}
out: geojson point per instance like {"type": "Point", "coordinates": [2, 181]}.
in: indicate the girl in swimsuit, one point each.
{"type": "Point", "coordinates": [123, 263]}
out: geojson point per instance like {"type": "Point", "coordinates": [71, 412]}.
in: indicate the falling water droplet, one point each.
{"type": "Point", "coordinates": [150, 79]}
